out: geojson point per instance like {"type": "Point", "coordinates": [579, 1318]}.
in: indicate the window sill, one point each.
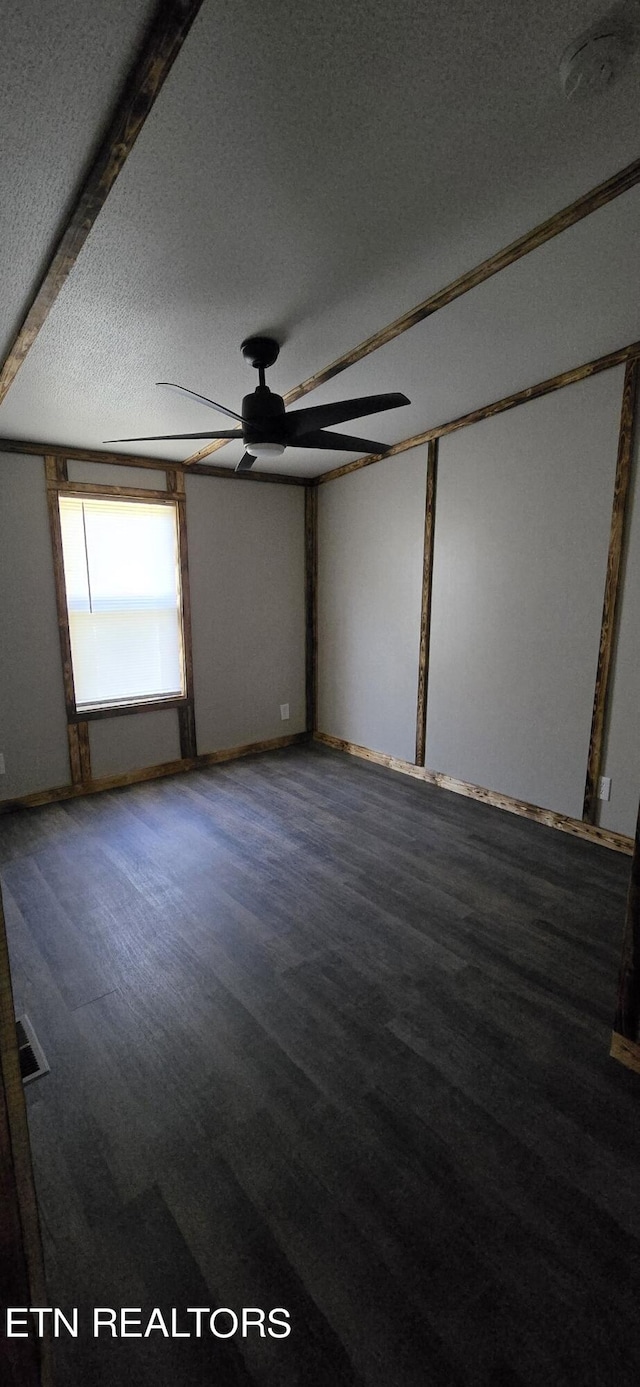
{"type": "Point", "coordinates": [114, 710]}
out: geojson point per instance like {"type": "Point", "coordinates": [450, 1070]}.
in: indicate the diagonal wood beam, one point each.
{"type": "Point", "coordinates": [158, 52]}
{"type": "Point", "coordinates": [597, 197]}
{"type": "Point", "coordinates": [475, 416]}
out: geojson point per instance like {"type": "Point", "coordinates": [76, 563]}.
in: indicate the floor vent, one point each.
{"type": "Point", "coordinates": [32, 1059]}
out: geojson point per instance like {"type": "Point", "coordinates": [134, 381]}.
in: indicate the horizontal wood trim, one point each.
{"type": "Point", "coordinates": [119, 710]}
{"type": "Point", "coordinates": [61, 450]}
{"type": "Point", "coordinates": [118, 782]}
{"type": "Point", "coordinates": [160, 47]}
{"type": "Point", "coordinates": [475, 416]}
{"type": "Point", "coordinates": [590, 832]}
{"type": "Point", "coordinates": [597, 197]}
{"type": "Point", "coordinates": [126, 493]}
{"type": "Point", "coordinates": [626, 1051]}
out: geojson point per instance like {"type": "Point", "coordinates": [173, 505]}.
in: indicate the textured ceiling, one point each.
{"type": "Point", "coordinates": [60, 66]}
{"type": "Point", "coordinates": [315, 171]}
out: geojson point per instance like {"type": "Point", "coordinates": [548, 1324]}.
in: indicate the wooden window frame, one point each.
{"type": "Point", "coordinates": [78, 719]}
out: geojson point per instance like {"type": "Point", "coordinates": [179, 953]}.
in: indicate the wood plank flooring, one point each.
{"type": "Point", "coordinates": [326, 1039]}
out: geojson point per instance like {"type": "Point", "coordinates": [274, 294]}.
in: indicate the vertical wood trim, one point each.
{"type": "Point", "coordinates": [311, 605]}
{"type": "Point", "coordinates": [74, 753]}
{"type": "Point", "coordinates": [22, 1280]}
{"type": "Point", "coordinates": [186, 716]}
{"type": "Point", "coordinates": [175, 482]}
{"type": "Point", "coordinates": [627, 1019]}
{"type": "Point", "coordinates": [187, 727]}
{"type": "Point", "coordinates": [427, 587]}
{"type": "Point", "coordinates": [50, 464]}
{"type": "Point", "coordinates": [612, 584]}
{"type": "Point", "coordinates": [84, 751]}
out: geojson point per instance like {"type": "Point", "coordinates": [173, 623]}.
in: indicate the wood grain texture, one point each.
{"type": "Point", "coordinates": [597, 197]}
{"type": "Point", "coordinates": [160, 48]}
{"type": "Point", "coordinates": [62, 450]}
{"type": "Point", "coordinates": [475, 416]}
{"type": "Point", "coordinates": [74, 753]}
{"type": "Point", "coordinates": [311, 605]}
{"type": "Point", "coordinates": [51, 474]}
{"type": "Point", "coordinates": [187, 729]}
{"type": "Point", "coordinates": [185, 602]}
{"type": "Point", "coordinates": [122, 710]}
{"type": "Point", "coordinates": [590, 832]}
{"type": "Point", "coordinates": [425, 613]}
{"type": "Point", "coordinates": [608, 626]}
{"type": "Point", "coordinates": [322, 1037]}
{"type": "Point", "coordinates": [124, 493]}
{"type": "Point", "coordinates": [627, 1019]}
{"type": "Point", "coordinates": [84, 749]}
{"type": "Point", "coordinates": [22, 1280]}
{"type": "Point", "coordinates": [138, 777]}
{"type": "Point", "coordinates": [625, 1051]}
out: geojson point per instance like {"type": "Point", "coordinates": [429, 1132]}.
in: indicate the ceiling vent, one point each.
{"type": "Point", "coordinates": [595, 59]}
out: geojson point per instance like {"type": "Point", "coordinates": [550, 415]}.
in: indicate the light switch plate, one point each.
{"type": "Point", "coordinates": [284, 711]}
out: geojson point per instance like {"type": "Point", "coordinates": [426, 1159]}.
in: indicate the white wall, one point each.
{"type": "Point", "coordinates": [622, 746]}
{"type": "Point", "coordinates": [132, 741]}
{"type": "Point", "coordinates": [33, 724]}
{"type": "Point", "coordinates": [246, 573]}
{"type": "Point", "coordinates": [246, 564]}
{"type": "Point", "coordinates": [521, 536]}
{"type": "Point", "coordinates": [370, 543]}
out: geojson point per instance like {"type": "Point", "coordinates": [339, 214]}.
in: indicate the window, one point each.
{"type": "Point", "coordinates": [122, 582]}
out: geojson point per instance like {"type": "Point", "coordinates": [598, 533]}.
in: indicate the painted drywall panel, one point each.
{"type": "Point", "coordinates": [133, 741]}
{"type": "Point", "coordinates": [246, 570]}
{"type": "Point", "coordinates": [33, 725]}
{"type": "Point", "coordinates": [113, 474]}
{"type": "Point", "coordinates": [621, 758]}
{"type": "Point", "coordinates": [522, 526]}
{"type": "Point", "coordinates": [371, 531]}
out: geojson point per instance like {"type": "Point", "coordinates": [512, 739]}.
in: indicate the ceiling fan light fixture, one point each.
{"type": "Point", "coordinates": [264, 451]}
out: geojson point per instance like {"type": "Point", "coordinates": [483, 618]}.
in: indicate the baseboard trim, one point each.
{"type": "Point", "coordinates": [626, 1051]}
{"type": "Point", "coordinates": [618, 842]}
{"type": "Point", "coordinates": [119, 782]}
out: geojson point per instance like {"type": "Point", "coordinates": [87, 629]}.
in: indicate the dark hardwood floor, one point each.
{"type": "Point", "coordinates": [327, 1039]}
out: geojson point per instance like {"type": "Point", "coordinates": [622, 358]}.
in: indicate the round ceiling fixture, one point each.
{"type": "Point", "coordinates": [594, 59]}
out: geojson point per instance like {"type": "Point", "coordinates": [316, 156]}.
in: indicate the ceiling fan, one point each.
{"type": "Point", "coordinates": [266, 429]}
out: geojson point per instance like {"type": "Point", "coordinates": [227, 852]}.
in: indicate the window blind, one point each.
{"type": "Point", "coordinates": [123, 598]}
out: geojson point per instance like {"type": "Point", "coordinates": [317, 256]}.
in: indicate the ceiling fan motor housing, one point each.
{"type": "Point", "coordinates": [262, 412]}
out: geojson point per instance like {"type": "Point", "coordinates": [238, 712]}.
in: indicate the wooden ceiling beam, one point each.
{"type": "Point", "coordinates": [62, 450]}
{"type": "Point", "coordinates": [621, 182]}
{"type": "Point", "coordinates": [475, 416]}
{"type": "Point", "coordinates": [157, 54]}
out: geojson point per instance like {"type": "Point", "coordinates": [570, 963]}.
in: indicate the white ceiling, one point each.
{"type": "Point", "coordinates": [313, 171]}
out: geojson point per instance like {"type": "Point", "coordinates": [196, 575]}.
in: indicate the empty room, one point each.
{"type": "Point", "coordinates": [319, 694]}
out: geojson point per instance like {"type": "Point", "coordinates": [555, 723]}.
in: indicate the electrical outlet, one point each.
{"type": "Point", "coordinates": [604, 787]}
{"type": "Point", "coordinates": [284, 711]}
{"type": "Point", "coordinates": [2, 769]}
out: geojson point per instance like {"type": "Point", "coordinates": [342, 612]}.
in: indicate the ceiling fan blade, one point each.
{"type": "Point", "coordinates": [341, 441]}
{"type": "Point", "coordinates": [167, 437]}
{"type": "Point", "coordinates": [201, 399]}
{"type": "Point", "coordinates": [298, 421]}
{"type": "Point", "coordinates": [245, 464]}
